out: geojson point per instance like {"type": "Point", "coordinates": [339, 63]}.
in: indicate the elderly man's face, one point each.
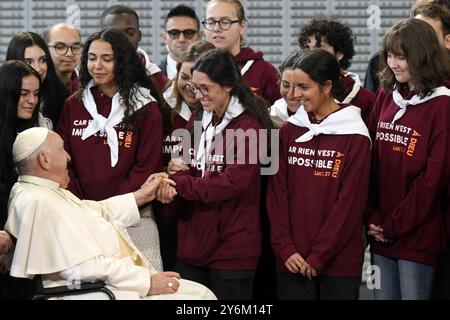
{"type": "Point", "coordinates": [58, 159]}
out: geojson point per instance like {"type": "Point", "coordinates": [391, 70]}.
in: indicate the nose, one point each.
{"type": "Point", "coordinates": [98, 64]}
{"type": "Point", "coordinates": [36, 66]}
{"type": "Point", "coordinates": [293, 92]}
{"type": "Point", "coordinates": [67, 156]}
{"type": "Point", "coordinates": [216, 27]}
{"type": "Point", "coordinates": [393, 62]}
{"type": "Point", "coordinates": [69, 52]}
{"type": "Point", "coordinates": [198, 95]}
{"type": "Point", "coordinates": [32, 99]}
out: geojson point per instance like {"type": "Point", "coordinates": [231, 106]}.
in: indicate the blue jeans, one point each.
{"type": "Point", "coordinates": [403, 279]}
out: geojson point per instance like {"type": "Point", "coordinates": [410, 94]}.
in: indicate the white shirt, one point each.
{"type": "Point", "coordinates": [67, 239]}
{"type": "Point", "coordinates": [171, 67]}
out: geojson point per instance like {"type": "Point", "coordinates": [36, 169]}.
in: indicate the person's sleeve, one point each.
{"type": "Point", "coordinates": [365, 100]}
{"type": "Point", "coordinates": [429, 184]}
{"type": "Point", "coordinates": [228, 184]}
{"type": "Point", "coordinates": [120, 274]}
{"type": "Point", "coordinates": [149, 152]}
{"type": "Point", "coordinates": [271, 89]}
{"type": "Point", "coordinates": [371, 214]}
{"type": "Point", "coordinates": [64, 129]}
{"type": "Point", "coordinates": [278, 207]}
{"type": "Point", "coordinates": [122, 208]}
{"type": "Point", "coordinates": [347, 212]}
{"type": "Point", "coordinates": [160, 80]}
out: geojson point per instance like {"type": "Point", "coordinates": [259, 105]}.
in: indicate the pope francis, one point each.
{"type": "Point", "coordinates": [66, 240]}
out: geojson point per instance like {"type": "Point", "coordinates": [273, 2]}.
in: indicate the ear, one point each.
{"type": "Point", "coordinates": [228, 89]}
{"type": "Point", "coordinates": [201, 34]}
{"type": "Point", "coordinates": [339, 55]}
{"type": "Point", "coordinates": [243, 25]}
{"type": "Point", "coordinates": [44, 161]}
{"type": "Point", "coordinates": [163, 37]}
{"type": "Point", "coordinates": [139, 35]}
{"type": "Point", "coordinates": [327, 87]}
{"type": "Point", "coordinates": [447, 41]}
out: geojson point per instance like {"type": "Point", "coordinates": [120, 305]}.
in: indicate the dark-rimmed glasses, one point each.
{"type": "Point", "coordinates": [62, 48]}
{"type": "Point", "coordinates": [187, 34]}
{"type": "Point", "coordinates": [224, 24]}
{"type": "Point", "coordinates": [204, 89]}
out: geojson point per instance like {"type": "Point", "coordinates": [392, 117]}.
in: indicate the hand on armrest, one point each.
{"type": "Point", "coordinates": [164, 283]}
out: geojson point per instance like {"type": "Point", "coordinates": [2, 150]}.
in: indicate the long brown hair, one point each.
{"type": "Point", "coordinates": [428, 61]}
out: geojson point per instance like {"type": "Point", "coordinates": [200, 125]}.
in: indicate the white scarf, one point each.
{"type": "Point", "coordinates": [102, 124]}
{"type": "Point", "coordinates": [279, 112]}
{"type": "Point", "coordinates": [356, 87]}
{"type": "Point", "coordinates": [234, 109]}
{"type": "Point", "coordinates": [171, 100]}
{"type": "Point", "coordinates": [344, 121]}
{"type": "Point", "coordinates": [150, 66]}
{"type": "Point", "coordinates": [403, 104]}
{"type": "Point", "coordinates": [246, 66]}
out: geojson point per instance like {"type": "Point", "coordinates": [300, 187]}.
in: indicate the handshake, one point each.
{"type": "Point", "coordinates": [159, 186]}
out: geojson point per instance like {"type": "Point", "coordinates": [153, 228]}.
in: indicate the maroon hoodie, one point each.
{"type": "Point", "coordinates": [364, 99]}
{"type": "Point", "coordinates": [262, 76]}
{"type": "Point", "coordinates": [158, 79]}
{"type": "Point", "coordinates": [92, 176]}
{"type": "Point", "coordinates": [316, 200]}
{"type": "Point", "coordinates": [220, 228]}
{"type": "Point", "coordinates": [74, 84]}
{"type": "Point", "coordinates": [170, 141]}
{"type": "Point", "coordinates": [411, 173]}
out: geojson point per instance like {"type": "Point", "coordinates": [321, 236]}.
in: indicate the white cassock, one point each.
{"type": "Point", "coordinates": [65, 239]}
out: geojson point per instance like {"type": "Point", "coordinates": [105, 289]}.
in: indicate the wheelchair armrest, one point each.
{"type": "Point", "coordinates": [79, 288]}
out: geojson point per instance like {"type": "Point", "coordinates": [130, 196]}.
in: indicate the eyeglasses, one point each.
{"type": "Point", "coordinates": [187, 34]}
{"type": "Point", "coordinates": [62, 48]}
{"type": "Point", "coordinates": [224, 24]}
{"type": "Point", "coordinates": [204, 89]}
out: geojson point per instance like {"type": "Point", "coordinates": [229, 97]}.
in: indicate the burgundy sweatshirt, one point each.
{"type": "Point", "coordinates": [364, 99]}
{"type": "Point", "coordinates": [220, 228]}
{"type": "Point", "coordinates": [316, 200]}
{"type": "Point", "coordinates": [158, 79]}
{"type": "Point", "coordinates": [74, 82]}
{"type": "Point", "coordinates": [411, 173]}
{"type": "Point", "coordinates": [92, 176]}
{"type": "Point", "coordinates": [262, 76]}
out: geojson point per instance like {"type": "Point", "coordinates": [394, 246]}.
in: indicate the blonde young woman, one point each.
{"type": "Point", "coordinates": [225, 25]}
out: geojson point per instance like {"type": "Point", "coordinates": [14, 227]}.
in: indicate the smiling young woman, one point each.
{"type": "Point", "coordinates": [225, 26]}
{"type": "Point", "coordinates": [411, 161]}
{"type": "Point", "coordinates": [316, 199]}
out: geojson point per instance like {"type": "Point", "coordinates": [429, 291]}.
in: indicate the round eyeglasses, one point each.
{"type": "Point", "coordinates": [187, 34]}
{"type": "Point", "coordinates": [203, 89]}
{"type": "Point", "coordinates": [62, 48]}
{"type": "Point", "coordinates": [224, 24]}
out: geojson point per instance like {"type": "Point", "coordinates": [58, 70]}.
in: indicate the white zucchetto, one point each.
{"type": "Point", "coordinates": [27, 142]}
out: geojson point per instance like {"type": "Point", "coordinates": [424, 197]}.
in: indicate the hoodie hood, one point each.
{"type": "Point", "coordinates": [446, 83]}
{"type": "Point", "coordinates": [247, 54]}
{"type": "Point", "coordinates": [352, 85]}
